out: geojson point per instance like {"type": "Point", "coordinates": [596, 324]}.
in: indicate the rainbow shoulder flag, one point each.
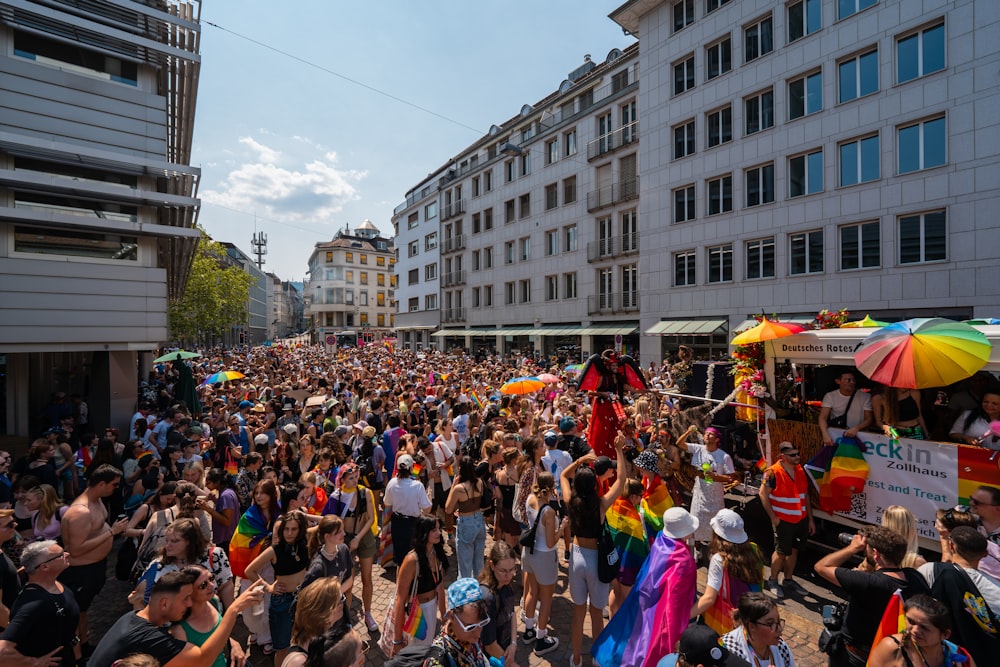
{"type": "Point", "coordinates": [655, 501]}
{"type": "Point", "coordinates": [893, 620]}
{"type": "Point", "coordinates": [629, 536]}
{"type": "Point", "coordinates": [249, 539]}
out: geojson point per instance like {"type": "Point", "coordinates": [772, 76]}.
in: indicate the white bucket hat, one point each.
{"type": "Point", "coordinates": [678, 523]}
{"type": "Point", "coordinates": [728, 525]}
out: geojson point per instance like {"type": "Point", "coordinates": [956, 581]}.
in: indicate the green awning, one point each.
{"type": "Point", "coordinates": [609, 330]}
{"type": "Point", "coordinates": [686, 327]}
{"type": "Point", "coordinates": [464, 332]}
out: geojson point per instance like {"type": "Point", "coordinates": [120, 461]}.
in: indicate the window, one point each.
{"type": "Point", "coordinates": [380, 279]}
{"type": "Point", "coordinates": [551, 243]}
{"type": "Point", "coordinates": [349, 277]}
{"type": "Point", "coordinates": [380, 261]}
{"type": "Point", "coordinates": [806, 253]}
{"type": "Point", "coordinates": [524, 203]}
{"type": "Point", "coordinates": [551, 288]}
{"type": "Point", "coordinates": [364, 277]}
{"type": "Point", "coordinates": [921, 145]}
{"type": "Point", "coordinates": [758, 39]}
{"type": "Point", "coordinates": [684, 204]}
{"type": "Point", "coordinates": [527, 133]}
{"type": "Point", "coordinates": [329, 257]}
{"type": "Point", "coordinates": [858, 76]}
{"type": "Point", "coordinates": [525, 290]}
{"type": "Point", "coordinates": [630, 231]}
{"type": "Point", "coordinates": [860, 247]}
{"type": "Point", "coordinates": [720, 195]}
{"type": "Point", "coordinates": [509, 293]}
{"type": "Point", "coordinates": [569, 190]}
{"type": "Point", "coordinates": [922, 238]}
{"type": "Point", "coordinates": [684, 268]}
{"type": "Point", "coordinates": [509, 211]}
{"type": "Point", "coordinates": [569, 143]}
{"type": "Point", "coordinates": [551, 151]}
{"type": "Point", "coordinates": [603, 133]}
{"type": "Point", "coordinates": [413, 304]}
{"type": "Point", "coordinates": [431, 210]}
{"type": "Point", "coordinates": [349, 257]}
{"type": "Point", "coordinates": [759, 112]}
{"type": "Point", "coordinates": [804, 18]}
{"type": "Point", "coordinates": [920, 53]}
{"type": "Point", "coordinates": [74, 243]}
{"type": "Point", "coordinates": [630, 286]}
{"type": "Point", "coordinates": [431, 302]}
{"type": "Point", "coordinates": [684, 139]}
{"type": "Point", "coordinates": [551, 196]}
{"type": "Point", "coordinates": [760, 259]}
{"type": "Point", "coordinates": [477, 300]}
{"type": "Point", "coordinates": [525, 248]}
{"type": "Point", "coordinates": [488, 257]}
{"type": "Point", "coordinates": [712, 5]}
{"type": "Point", "coordinates": [477, 223]}
{"type": "Point", "coordinates": [431, 241]}
{"type": "Point", "coordinates": [488, 180]}
{"type": "Point", "coordinates": [569, 285]}
{"type": "Point", "coordinates": [720, 126]}
{"type": "Point", "coordinates": [805, 174]}
{"type": "Point", "coordinates": [859, 161]}
{"type": "Point", "coordinates": [80, 61]}
{"type": "Point", "coordinates": [683, 14]}
{"type": "Point", "coordinates": [805, 95]}
{"type": "Point", "coordinates": [508, 252]}
{"type": "Point", "coordinates": [476, 186]}
{"type": "Point", "coordinates": [431, 271]}
{"type": "Point", "coordinates": [476, 260]}
{"type": "Point", "coordinates": [380, 299]}
{"type": "Point", "coordinates": [487, 296]}
{"type": "Point", "coordinates": [684, 75]}
{"type": "Point", "coordinates": [718, 58]}
{"type": "Point", "coordinates": [363, 298]}
{"type": "Point", "coordinates": [525, 161]}
{"type": "Point", "coordinates": [760, 185]}
{"type": "Point", "coordinates": [847, 7]}
{"type": "Point", "coordinates": [569, 238]}
{"type": "Point", "coordinates": [720, 264]}
{"type": "Point", "coordinates": [364, 258]}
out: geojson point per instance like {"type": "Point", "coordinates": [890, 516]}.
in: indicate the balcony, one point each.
{"type": "Point", "coordinates": [612, 194]}
{"type": "Point", "coordinates": [453, 244]}
{"type": "Point", "coordinates": [452, 210]}
{"type": "Point", "coordinates": [616, 246]}
{"type": "Point", "coordinates": [608, 304]}
{"type": "Point", "coordinates": [612, 141]}
{"type": "Point", "coordinates": [453, 315]}
{"type": "Point", "coordinates": [453, 278]}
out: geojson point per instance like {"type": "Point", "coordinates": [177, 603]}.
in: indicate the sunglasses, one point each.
{"type": "Point", "coordinates": [205, 584]}
{"type": "Point", "coordinates": [975, 503]}
{"type": "Point", "coordinates": [792, 454]}
{"type": "Point", "coordinates": [473, 626]}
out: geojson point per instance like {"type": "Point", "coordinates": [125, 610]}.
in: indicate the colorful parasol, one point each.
{"type": "Point", "coordinates": [573, 369]}
{"type": "Point", "coordinates": [923, 352]}
{"type": "Point", "coordinates": [522, 385]}
{"type": "Point", "coordinates": [176, 355]}
{"type": "Point", "coordinates": [768, 330]}
{"type": "Point", "coordinates": [866, 323]}
{"type": "Point", "coordinates": [223, 376]}
{"type": "Point", "coordinates": [548, 378]}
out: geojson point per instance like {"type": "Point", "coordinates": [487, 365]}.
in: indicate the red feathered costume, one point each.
{"type": "Point", "coordinates": [608, 375]}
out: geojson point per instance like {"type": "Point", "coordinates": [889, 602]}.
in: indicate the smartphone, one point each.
{"type": "Point", "coordinates": [121, 516]}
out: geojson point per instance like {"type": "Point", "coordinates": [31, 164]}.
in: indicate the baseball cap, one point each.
{"type": "Point", "coordinates": [464, 591]}
{"type": "Point", "coordinates": [261, 439]}
{"type": "Point", "coordinates": [245, 404]}
{"type": "Point", "coordinates": [405, 461]}
{"type": "Point", "coordinates": [566, 424]}
{"type": "Point", "coordinates": [291, 429]}
{"type": "Point", "coordinates": [786, 447]}
{"type": "Point", "coordinates": [550, 438]}
{"type": "Point", "coordinates": [700, 645]}
{"type": "Point", "coordinates": [604, 464]}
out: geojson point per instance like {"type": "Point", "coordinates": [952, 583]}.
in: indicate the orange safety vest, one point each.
{"type": "Point", "coordinates": [788, 498]}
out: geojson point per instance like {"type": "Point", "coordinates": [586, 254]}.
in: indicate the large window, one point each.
{"type": "Point", "coordinates": [551, 151]}
{"type": "Point", "coordinates": [551, 196]}
{"type": "Point", "coordinates": [569, 190]}
{"type": "Point", "coordinates": [569, 285]}
{"type": "Point", "coordinates": [860, 246]}
{"type": "Point", "coordinates": [63, 242]}
{"type": "Point", "coordinates": [508, 252]}
{"type": "Point", "coordinates": [920, 53]}
{"type": "Point", "coordinates": [759, 111]}
{"type": "Point", "coordinates": [720, 194]}
{"type": "Point", "coordinates": [551, 243]}
{"type": "Point", "coordinates": [413, 249]}
{"type": "Point", "coordinates": [760, 258]}
{"type": "Point", "coordinates": [684, 204]}
{"type": "Point", "coordinates": [718, 58]}
{"type": "Point", "coordinates": [683, 14]}
{"type": "Point", "coordinates": [684, 271]}
{"type": "Point", "coordinates": [758, 39]}
{"type": "Point", "coordinates": [720, 126]}
{"type": "Point", "coordinates": [684, 75]}
{"type": "Point", "coordinates": [921, 145]}
{"type": "Point", "coordinates": [922, 238]}
{"type": "Point", "coordinates": [720, 264]}
{"type": "Point", "coordinates": [509, 293]}
{"type": "Point", "coordinates": [847, 7]}
{"type": "Point", "coordinates": [551, 288]}
{"type": "Point", "coordinates": [712, 5]}
{"type": "Point", "coordinates": [760, 185]}
{"type": "Point", "coordinates": [524, 205]}
{"type": "Point", "coordinates": [525, 286]}
{"type": "Point", "coordinates": [430, 271]}
{"type": "Point", "coordinates": [570, 241]}
{"type": "Point", "coordinates": [524, 248]}
{"type": "Point", "coordinates": [805, 95]}
{"type": "Point", "coordinates": [804, 18]}
{"type": "Point", "coordinates": [805, 253]}
{"type": "Point", "coordinates": [569, 143]}
{"type": "Point", "coordinates": [630, 286]}
{"type": "Point", "coordinates": [859, 161]}
{"type": "Point", "coordinates": [858, 76]}
{"type": "Point", "coordinates": [805, 174]}
{"type": "Point", "coordinates": [509, 211]}
{"type": "Point", "coordinates": [684, 139]}
{"type": "Point", "coordinates": [71, 57]}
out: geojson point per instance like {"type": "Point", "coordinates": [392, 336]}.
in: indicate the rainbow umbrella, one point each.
{"type": "Point", "coordinates": [768, 330]}
{"type": "Point", "coordinates": [522, 385]}
{"type": "Point", "coordinates": [548, 378]}
{"type": "Point", "coordinates": [223, 376]}
{"type": "Point", "coordinates": [573, 369]}
{"type": "Point", "coordinates": [923, 352]}
{"type": "Point", "coordinates": [866, 323]}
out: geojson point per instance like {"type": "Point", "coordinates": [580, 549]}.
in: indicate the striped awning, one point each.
{"type": "Point", "coordinates": [687, 327]}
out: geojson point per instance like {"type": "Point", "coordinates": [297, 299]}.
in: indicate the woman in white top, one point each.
{"type": "Point", "coordinates": [540, 562]}
{"type": "Point", "coordinates": [758, 639]}
{"type": "Point", "coordinates": [972, 425]}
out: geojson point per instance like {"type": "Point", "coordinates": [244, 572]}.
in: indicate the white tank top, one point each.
{"type": "Point", "coordinates": [540, 541]}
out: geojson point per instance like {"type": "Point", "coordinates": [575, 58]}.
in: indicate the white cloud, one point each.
{"type": "Point", "coordinates": [265, 154]}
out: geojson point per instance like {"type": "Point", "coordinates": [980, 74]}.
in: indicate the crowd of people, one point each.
{"type": "Point", "coordinates": [273, 497]}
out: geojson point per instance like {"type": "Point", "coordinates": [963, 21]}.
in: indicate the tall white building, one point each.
{"type": "Point", "coordinates": [815, 154]}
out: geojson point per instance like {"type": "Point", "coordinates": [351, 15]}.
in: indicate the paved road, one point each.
{"type": "Point", "coordinates": [802, 616]}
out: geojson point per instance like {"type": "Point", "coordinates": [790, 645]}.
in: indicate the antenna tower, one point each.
{"type": "Point", "coordinates": [259, 244]}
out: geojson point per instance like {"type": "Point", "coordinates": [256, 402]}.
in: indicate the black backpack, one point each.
{"type": "Point", "coordinates": [975, 626]}
{"type": "Point", "coordinates": [415, 656]}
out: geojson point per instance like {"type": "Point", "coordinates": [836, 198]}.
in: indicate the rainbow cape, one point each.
{"type": "Point", "coordinates": [656, 611]}
{"type": "Point", "coordinates": [629, 536]}
{"type": "Point", "coordinates": [893, 619]}
{"type": "Point", "coordinates": [248, 541]}
{"type": "Point", "coordinates": [655, 501]}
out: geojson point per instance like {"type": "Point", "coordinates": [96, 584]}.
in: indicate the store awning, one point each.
{"type": "Point", "coordinates": [686, 327]}
{"type": "Point", "coordinates": [609, 330]}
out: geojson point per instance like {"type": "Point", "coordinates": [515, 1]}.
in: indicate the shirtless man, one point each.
{"type": "Point", "coordinates": [87, 537]}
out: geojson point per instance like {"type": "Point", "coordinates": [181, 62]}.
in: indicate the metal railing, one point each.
{"type": "Point", "coordinates": [616, 246]}
{"type": "Point", "coordinates": [453, 278]}
{"type": "Point", "coordinates": [612, 194]}
{"type": "Point", "coordinates": [453, 315]}
{"type": "Point", "coordinates": [453, 209]}
{"type": "Point", "coordinates": [598, 304]}
{"type": "Point", "coordinates": [453, 244]}
{"type": "Point", "coordinates": [612, 141]}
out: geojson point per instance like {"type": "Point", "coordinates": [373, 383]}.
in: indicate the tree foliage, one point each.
{"type": "Point", "coordinates": [216, 297]}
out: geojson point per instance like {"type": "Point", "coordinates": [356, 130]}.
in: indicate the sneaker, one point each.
{"type": "Point", "coordinates": [371, 623]}
{"type": "Point", "coordinates": [775, 588]}
{"type": "Point", "coordinates": [605, 613]}
{"type": "Point", "coordinates": [793, 587]}
{"type": "Point", "coordinates": [545, 645]}
{"type": "Point", "coordinates": [573, 663]}
{"type": "Point", "coordinates": [528, 636]}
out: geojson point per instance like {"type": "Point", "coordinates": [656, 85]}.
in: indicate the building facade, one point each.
{"type": "Point", "coordinates": [350, 295]}
{"type": "Point", "coordinates": [97, 205]}
{"type": "Point", "coordinates": [815, 154]}
{"type": "Point", "coordinates": [256, 329]}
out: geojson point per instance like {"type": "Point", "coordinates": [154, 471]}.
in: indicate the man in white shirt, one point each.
{"type": "Point", "coordinates": [846, 408]}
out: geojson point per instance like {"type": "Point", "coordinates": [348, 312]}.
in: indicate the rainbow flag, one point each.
{"type": "Point", "coordinates": [416, 470]}
{"type": "Point", "coordinates": [415, 624]}
{"type": "Point", "coordinates": [848, 471]}
{"type": "Point", "coordinates": [893, 619]}
{"type": "Point", "coordinates": [474, 397]}
{"type": "Point", "coordinates": [761, 465]}
{"type": "Point", "coordinates": [656, 611]}
{"type": "Point", "coordinates": [629, 536]}
{"type": "Point", "coordinates": [655, 501]}
{"type": "Point", "coordinates": [248, 541]}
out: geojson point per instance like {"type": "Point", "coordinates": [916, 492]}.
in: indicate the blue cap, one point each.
{"type": "Point", "coordinates": [550, 438]}
{"type": "Point", "coordinates": [245, 404]}
{"type": "Point", "coordinates": [566, 424]}
{"type": "Point", "coordinates": [462, 592]}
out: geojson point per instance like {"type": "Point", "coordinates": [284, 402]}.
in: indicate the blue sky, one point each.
{"type": "Point", "coordinates": [309, 152]}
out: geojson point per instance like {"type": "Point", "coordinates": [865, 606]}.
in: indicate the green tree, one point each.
{"type": "Point", "coordinates": [215, 299]}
